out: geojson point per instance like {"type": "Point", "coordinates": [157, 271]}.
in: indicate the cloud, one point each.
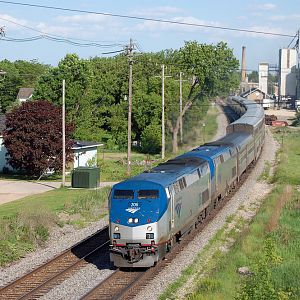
{"type": "Point", "coordinates": [11, 23]}
{"type": "Point", "coordinates": [270, 29]}
{"type": "Point", "coordinates": [83, 19]}
{"type": "Point", "coordinates": [158, 26]}
{"type": "Point", "coordinates": [90, 25]}
{"type": "Point", "coordinates": [57, 30]}
{"type": "Point", "coordinates": [157, 12]}
{"type": "Point", "coordinates": [293, 17]}
{"type": "Point", "coordinates": [266, 6]}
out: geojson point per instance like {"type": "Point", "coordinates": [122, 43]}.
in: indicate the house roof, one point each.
{"type": "Point", "coordinates": [254, 90]}
{"type": "Point", "coordinates": [85, 144]}
{"type": "Point", "coordinates": [2, 123]}
{"type": "Point", "coordinates": [25, 93]}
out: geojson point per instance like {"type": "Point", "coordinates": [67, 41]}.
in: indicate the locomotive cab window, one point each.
{"type": "Point", "coordinates": [123, 194]}
{"type": "Point", "coordinates": [148, 194]}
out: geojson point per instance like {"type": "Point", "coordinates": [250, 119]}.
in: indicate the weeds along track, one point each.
{"type": "Point", "coordinates": [39, 281]}
{"type": "Point", "coordinates": [126, 284]}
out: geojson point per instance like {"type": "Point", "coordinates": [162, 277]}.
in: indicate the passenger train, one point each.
{"type": "Point", "coordinates": [153, 210]}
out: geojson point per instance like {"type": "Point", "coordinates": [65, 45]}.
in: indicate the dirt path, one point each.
{"type": "Point", "coordinates": [11, 190]}
{"type": "Point", "coordinates": [222, 124]}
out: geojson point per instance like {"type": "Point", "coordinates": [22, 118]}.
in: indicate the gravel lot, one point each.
{"type": "Point", "coordinates": [282, 114]}
{"type": "Point", "coordinates": [76, 286]}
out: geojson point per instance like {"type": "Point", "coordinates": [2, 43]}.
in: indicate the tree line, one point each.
{"type": "Point", "coordinates": [96, 91]}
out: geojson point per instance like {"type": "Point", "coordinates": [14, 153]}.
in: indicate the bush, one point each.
{"type": "Point", "coordinates": [260, 284]}
{"type": "Point", "coordinates": [151, 139]}
{"type": "Point", "coordinates": [22, 232]}
{"type": "Point", "coordinates": [91, 206]}
{"type": "Point", "coordinates": [296, 122]}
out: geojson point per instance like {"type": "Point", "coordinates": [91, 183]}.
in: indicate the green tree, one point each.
{"type": "Point", "coordinates": [151, 139]}
{"type": "Point", "coordinates": [18, 74]}
{"type": "Point", "coordinates": [253, 76]}
{"type": "Point", "coordinates": [9, 86]}
{"type": "Point", "coordinates": [212, 72]}
{"type": "Point", "coordinates": [77, 75]}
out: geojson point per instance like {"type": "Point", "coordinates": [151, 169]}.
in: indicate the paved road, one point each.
{"type": "Point", "coordinates": [15, 189]}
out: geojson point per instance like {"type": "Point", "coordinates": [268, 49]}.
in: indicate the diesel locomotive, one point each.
{"type": "Point", "coordinates": [153, 210]}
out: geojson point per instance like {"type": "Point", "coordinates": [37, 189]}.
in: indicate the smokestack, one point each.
{"type": "Point", "coordinates": [244, 64]}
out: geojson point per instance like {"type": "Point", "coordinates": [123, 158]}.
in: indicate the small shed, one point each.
{"type": "Point", "coordinates": [25, 94]}
{"type": "Point", "coordinates": [85, 153]}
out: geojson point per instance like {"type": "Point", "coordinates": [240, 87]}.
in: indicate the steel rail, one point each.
{"type": "Point", "coordinates": [40, 280]}
{"type": "Point", "coordinates": [128, 290]}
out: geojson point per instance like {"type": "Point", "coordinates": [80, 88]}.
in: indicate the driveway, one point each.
{"type": "Point", "coordinates": [11, 190]}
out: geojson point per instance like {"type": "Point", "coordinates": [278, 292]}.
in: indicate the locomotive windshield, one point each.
{"type": "Point", "coordinates": [123, 194]}
{"type": "Point", "coordinates": [147, 194]}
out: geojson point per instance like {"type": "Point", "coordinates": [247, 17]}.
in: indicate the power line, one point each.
{"type": "Point", "coordinates": [103, 44]}
{"type": "Point", "coordinates": [292, 41]}
{"type": "Point", "coordinates": [59, 40]}
{"type": "Point", "coordinates": [146, 19]}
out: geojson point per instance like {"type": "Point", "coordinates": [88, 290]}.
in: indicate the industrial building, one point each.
{"type": "Point", "coordinates": [287, 74]}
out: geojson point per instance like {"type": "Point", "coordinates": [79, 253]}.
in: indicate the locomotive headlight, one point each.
{"type": "Point", "coordinates": [149, 228]}
{"type": "Point", "coordinates": [116, 228]}
{"type": "Point", "coordinates": [135, 220]}
{"type": "Point", "coordinates": [130, 220]}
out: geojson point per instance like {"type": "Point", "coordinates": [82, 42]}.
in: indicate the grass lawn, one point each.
{"type": "Point", "coordinates": [54, 201]}
{"type": "Point", "coordinates": [26, 223]}
{"type": "Point", "coordinates": [269, 246]}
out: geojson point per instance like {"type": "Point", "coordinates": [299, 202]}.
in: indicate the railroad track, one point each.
{"type": "Point", "coordinates": [122, 284]}
{"type": "Point", "coordinates": [114, 286]}
{"type": "Point", "coordinates": [39, 281]}
{"type": "Point", "coordinates": [125, 285]}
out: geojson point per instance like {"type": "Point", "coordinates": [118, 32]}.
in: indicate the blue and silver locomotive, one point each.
{"type": "Point", "coordinates": [153, 210]}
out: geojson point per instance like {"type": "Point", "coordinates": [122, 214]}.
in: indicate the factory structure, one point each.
{"type": "Point", "coordinates": [285, 92]}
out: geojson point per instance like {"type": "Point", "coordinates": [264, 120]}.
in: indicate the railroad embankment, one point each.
{"type": "Point", "coordinates": [255, 255]}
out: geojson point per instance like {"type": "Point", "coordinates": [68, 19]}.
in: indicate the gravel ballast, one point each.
{"type": "Point", "coordinates": [60, 240]}
{"type": "Point", "coordinates": [250, 195]}
{"type": "Point", "coordinates": [252, 192]}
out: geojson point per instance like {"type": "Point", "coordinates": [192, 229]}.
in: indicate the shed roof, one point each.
{"type": "Point", "coordinates": [254, 90]}
{"type": "Point", "coordinates": [25, 93]}
{"type": "Point", "coordinates": [84, 145]}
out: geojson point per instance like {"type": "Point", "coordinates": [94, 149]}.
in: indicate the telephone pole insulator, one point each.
{"type": "Point", "coordinates": [2, 32]}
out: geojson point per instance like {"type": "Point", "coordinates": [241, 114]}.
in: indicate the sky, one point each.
{"type": "Point", "coordinates": [275, 16]}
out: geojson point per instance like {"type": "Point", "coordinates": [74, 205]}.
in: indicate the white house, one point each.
{"type": "Point", "coordinates": [2, 148]}
{"type": "Point", "coordinates": [85, 153]}
{"type": "Point", "coordinates": [24, 94]}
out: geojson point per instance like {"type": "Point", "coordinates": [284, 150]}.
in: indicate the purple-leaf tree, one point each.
{"type": "Point", "coordinates": [33, 138]}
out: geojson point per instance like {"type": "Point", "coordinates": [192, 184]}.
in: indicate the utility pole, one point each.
{"type": "Point", "coordinates": [298, 67]}
{"type": "Point", "coordinates": [63, 135]}
{"type": "Point", "coordinates": [180, 105]}
{"type": "Point", "coordinates": [129, 52]}
{"type": "Point", "coordinates": [163, 113]}
{"type": "Point", "coordinates": [163, 147]}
